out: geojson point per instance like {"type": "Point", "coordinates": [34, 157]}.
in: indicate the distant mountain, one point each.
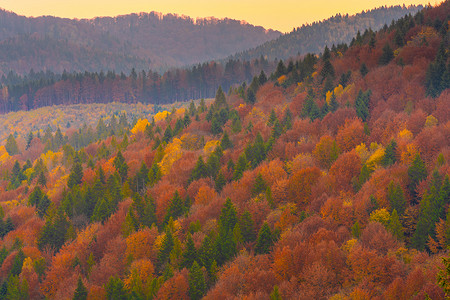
{"type": "Point", "coordinates": [312, 38]}
{"type": "Point", "coordinates": [143, 41]}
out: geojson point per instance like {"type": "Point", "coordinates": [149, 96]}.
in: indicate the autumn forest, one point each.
{"type": "Point", "coordinates": [320, 176]}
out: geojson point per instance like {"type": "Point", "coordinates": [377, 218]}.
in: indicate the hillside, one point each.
{"type": "Point", "coordinates": [141, 41]}
{"type": "Point", "coordinates": [312, 38]}
{"type": "Point", "coordinates": [327, 179]}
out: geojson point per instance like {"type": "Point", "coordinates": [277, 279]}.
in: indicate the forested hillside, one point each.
{"type": "Point", "coordinates": [312, 38]}
{"type": "Point", "coordinates": [142, 41]}
{"type": "Point", "coordinates": [327, 179]}
{"type": "Point", "coordinates": [36, 90]}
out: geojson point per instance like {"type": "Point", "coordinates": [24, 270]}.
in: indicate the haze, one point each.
{"type": "Point", "coordinates": [277, 15]}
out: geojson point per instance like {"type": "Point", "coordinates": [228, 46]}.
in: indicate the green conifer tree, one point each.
{"type": "Point", "coordinates": [81, 291]}
{"type": "Point", "coordinates": [197, 283]}
{"type": "Point", "coordinates": [265, 241]}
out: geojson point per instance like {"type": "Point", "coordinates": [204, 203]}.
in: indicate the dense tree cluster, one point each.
{"type": "Point", "coordinates": [331, 184]}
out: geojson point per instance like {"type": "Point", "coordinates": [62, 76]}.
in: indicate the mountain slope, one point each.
{"type": "Point", "coordinates": [339, 29]}
{"type": "Point", "coordinates": [329, 180]}
{"type": "Point", "coordinates": [143, 41]}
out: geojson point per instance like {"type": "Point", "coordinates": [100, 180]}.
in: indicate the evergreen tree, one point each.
{"type": "Point", "coordinates": [197, 284]}
{"type": "Point", "coordinates": [220, 181]}
{"type": "Point", "coordinates": [260, 185]}
{"type": "Point", "coordinates": [363, 70]}
{"type": "Point", "coordinates": [200, 170]}
{"type": "Point", "coordinates": [387, 55]}
{"type": "Point", "coordinates": [356, 230]}
{"type": "Point", "coordinates": [17, 264]}
{"type": "Point", "coordinates": [176, 208]}
{"type": "Point", "coordinates": [416, 173]}
{"type": "Point", "coordinates": [168, 134]}
{"type": "Point", "coordinates": [165, 249]}
{"type": "Point", "coordinates": [121, 166]}
{"type": "Point", "coordinates": [81, 291]}
{"type": "Point", "coordinates": [240, 167]}
{"type": "Point", "coordinates": [246, 225]}
{"type": "Point", "coordinates": [275, 295]}
{"type": "Point", "coordinates": [362, 104]}
{"type": "Point", "coordinates": [390, 154]}
{"type": "Point", "coordinates": [213, 165]}
{"type": "Point", "coordinates": [76, 174]}
{"type": "Point", "coordinates": [227, 222]}
{"type": "Point", "coordinates": [395, 226]}
{"type": "Point", "coordinates": [262, 78]}
{"type": "Point", "coordinates": [115, 289]}
{"type": "Point", "coordinates": [272, 118]}
{"type": "Point", "coordinates": [438, 75]}
{"type": "Point", "coordinates": [396, 198]}
{"type": "Point", "coordinates": [11, 146]}
{"type": "Point", "coordinates": [42, 180]}
{"type": "Point", "coordinates": [189, 254]}
{"type": "Point", "coordinates": [220, 101]}
{"type": "Point", "coordinates": [265, 241]}
{"type": "Point", "coordinates": [225, 142]}
{"type": "Point", "coordinates": [281, 69]}
{"type": "Point", "coordinates": [154, 175]}
{"type": "Point", "coordinates": [40, 200]}
{"type": "Point", "coordinates": [216, 126]}
{"type": "Point", "coordinates": [101, 212]}
{"type": "Point", "coordinates": [287, 120]}
{"type": "Point", "coordinates": [29, 139]}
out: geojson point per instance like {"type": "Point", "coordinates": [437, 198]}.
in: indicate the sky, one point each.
{"type": "Point", "coordinates": [278, 15]}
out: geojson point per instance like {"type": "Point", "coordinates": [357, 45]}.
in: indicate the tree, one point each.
{"type": "Point", "coordinates": [387, 55]}
{"type": "Point", "coordinates": [356, 230]}
{"type": "Point", "coordinates": [220, 101]}
{"type": "Point", "coordinates": [246, 225]}
{"type": "Point", "coordinates": [115, 289]}
{"type": "Point", "coordinates": [101, 211]}
{"type": "Point", "coordinates": [362, 104]}
{"type": "Point", "coordinates": [220, 181]}
{"type": "Point", "coordinates": [176, 208]}
{"type": "Point", "coordinates": [326, 151]}
{"type": "Point", "coordinates": [265, 240]}
{"type": "Point", "coordinates": [240, 167]}
{"type": "Point", "coordinates": [226, 245]}
{"type": "Point", "coordinates": [396, 197]}
{"type": "Point", "coordinates": [121, 166]}
{"type": "Point", "coordinates": [42, 180]}
{"type": "Point", "coordinates": [197, 284]}
{"type": "Point", "coordinates": [189, 254]}
{"type": "Point", "coordinates": [444, 276]}
{"type": "Point", "coordinates": [81, 291]}
{"type": "Point", "coordinates": [200, 170]}
{"type": "Point", "coordinates": [76, 174]}
{"type": "Point", "coordinates": [11, 145]}
{"type": "Point", "coordinates": [395, 226]}
{"type": "Point", "coordinates": [275, 295]}
{"type": "Point", "coordinates": [363, 70]}
{"type": "Point", "coordinates": [416, 173]}
{"type": "Point", "coordinates": [390, 154]}
{"type": "Point", "coordinates": [40, 200]}
{"type": "Point", "coordinates": [225, 142]}
{"type": "Point", "coordinates": [165, 249]}
{"type": "Point", "coordinates": [29, 139]}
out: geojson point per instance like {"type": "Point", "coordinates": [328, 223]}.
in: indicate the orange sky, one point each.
{"type": "Point", "coordinates": [280, 15]}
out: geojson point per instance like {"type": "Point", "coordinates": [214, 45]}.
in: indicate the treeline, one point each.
{"type": "Point", "coordinates": [312, 38]}
{"type": "Point", "coordinates": [201, 81]}
{"type": "Point", "coordinates": [144, 41]}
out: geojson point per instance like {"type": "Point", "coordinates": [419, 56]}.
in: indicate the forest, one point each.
{"type": "Point", "coordinates": [142, 41]}
{"type": "Point", "coordinates": [39, 89]}
{"type": "Point", "coordinates": [312, 38]}
{"type": "Point", "coordinates": [325, 178]}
